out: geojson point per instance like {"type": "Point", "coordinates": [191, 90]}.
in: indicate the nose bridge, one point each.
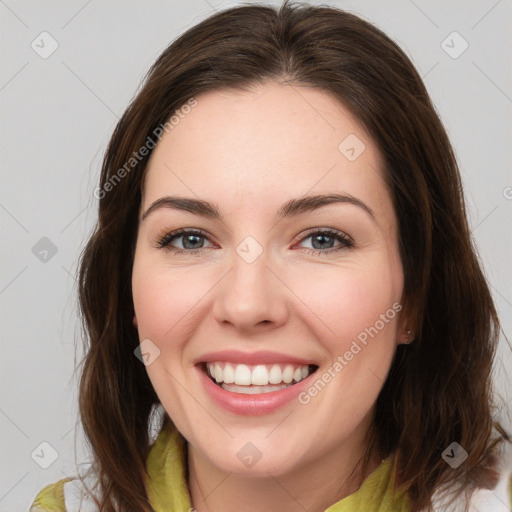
{"type": "Point", "coordinates": [250, 294]}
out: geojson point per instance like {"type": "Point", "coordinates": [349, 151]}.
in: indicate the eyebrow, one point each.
{"type": "Point", "coordinates": [290, 208]}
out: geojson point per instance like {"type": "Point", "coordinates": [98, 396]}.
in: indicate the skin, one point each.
{"type": "Point", "coordinates": [249, 153]}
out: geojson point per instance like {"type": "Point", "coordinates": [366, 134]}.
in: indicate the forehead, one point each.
{"type": "Point", "coordinates": [272, 142]}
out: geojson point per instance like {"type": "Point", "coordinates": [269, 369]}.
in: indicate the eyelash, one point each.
{"type": "Point", "coordinates": [164, 241]}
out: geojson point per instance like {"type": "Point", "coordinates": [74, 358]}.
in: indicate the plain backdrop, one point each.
{"type": "Point", "coordinates": [58, 111]}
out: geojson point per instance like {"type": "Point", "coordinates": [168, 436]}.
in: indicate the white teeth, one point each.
{"type": "Point", "coordinates": [276, 375]}
{"type": "Point", "coordinates": [229, 374]}
{"type": "Point", "coordinates": [258, 375]}
{"type": "Point", "coordinates": [242, 375]}
{"type": "Point", "coordinates": [288, 374]}
{"type": "Point", "coordinates": [218, 373]}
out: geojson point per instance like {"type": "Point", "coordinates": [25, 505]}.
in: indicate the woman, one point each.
{"type": "Point", "coordinates": [282, 279]}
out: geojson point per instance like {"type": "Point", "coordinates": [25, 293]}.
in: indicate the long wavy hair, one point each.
{"type": "Point", "coordinates": [439, 389]}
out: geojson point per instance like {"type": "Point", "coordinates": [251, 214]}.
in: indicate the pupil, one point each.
{"type": "Point", "coordinates": [194, 238]}
{"type": "Point", "coordinates": [321, 238]}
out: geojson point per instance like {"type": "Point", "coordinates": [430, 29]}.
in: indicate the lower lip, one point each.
{"type": "Point", "coordinates": [251, 405]}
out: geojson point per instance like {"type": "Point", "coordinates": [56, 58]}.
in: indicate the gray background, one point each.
{"type": "Point", "coordinates": [57, 116]}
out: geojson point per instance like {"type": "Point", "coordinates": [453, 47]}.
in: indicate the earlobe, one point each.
{"type": "Point", "coordinates": [406, 337]}
{"type": "Point", "coordinates": [407, 325]}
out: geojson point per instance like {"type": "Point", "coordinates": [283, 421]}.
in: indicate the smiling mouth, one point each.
{"type": "Point", "coordinates": [256, 379]}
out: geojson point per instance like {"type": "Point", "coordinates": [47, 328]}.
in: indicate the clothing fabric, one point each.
{"type": "Point", "coordinates": [168, 490]}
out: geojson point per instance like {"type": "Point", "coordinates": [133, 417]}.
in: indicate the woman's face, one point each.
{"type": "Point", "coordinates": [268, 286]}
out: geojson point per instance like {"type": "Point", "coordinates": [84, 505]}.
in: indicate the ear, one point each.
{"type": "Point", "coordinates": [406, 326]}
{"type": "Point", "coordinates": [406, 336]}
{"type": "Point", "coordinates": [135, 323]}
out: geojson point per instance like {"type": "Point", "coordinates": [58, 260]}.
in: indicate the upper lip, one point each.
{"type": "Point", "coordinates": [251, 358]}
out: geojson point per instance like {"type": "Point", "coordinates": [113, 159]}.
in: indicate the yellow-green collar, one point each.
{"type": "Point", "coordinates": [168, 489]}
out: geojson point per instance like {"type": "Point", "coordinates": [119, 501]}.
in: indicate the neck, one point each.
{"type": "Point", "coordinates": [314, 485]}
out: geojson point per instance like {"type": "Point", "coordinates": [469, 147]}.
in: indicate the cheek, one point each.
{"type": "Point", "coordinates": [347, 301]}
{"type": "Point", "coordinates": [166, 300]}
{"type": "Point", "coordinates": [359, 309]}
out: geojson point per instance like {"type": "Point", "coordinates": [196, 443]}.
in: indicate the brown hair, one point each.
{"type": "Point", "coordinates": [439, 388]}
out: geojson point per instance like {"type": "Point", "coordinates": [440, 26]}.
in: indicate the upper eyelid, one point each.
{"type": "Point", "coordinates": [176, 233]}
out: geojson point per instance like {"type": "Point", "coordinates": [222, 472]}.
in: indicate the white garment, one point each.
{"type": "Point", "coordinates": [482, 500]}
{"type": "Point", "coordinates": [75, 497]}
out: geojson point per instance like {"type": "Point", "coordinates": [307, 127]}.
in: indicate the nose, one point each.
{"type": "Point", "coordinates": [251, 297]}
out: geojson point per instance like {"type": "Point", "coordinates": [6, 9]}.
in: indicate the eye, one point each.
{"type": "Point", "coordinates": [191, 240]}
{"type": "Point", "coordinates": [324, 240]}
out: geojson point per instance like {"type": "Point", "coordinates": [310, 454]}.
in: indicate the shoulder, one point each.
{"type": "Point", "coordinates": [66, 495]}
{"type": "Point", "coordinates": [73, 494]}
